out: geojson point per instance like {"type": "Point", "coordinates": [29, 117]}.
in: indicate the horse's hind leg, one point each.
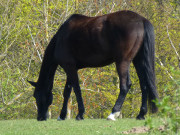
{"type": "Point", "coordinates": [125, 84]}
{"type": "Point", "coordinates": [128, 80]}
{"type": "Point", "coordinates": [141, 74]}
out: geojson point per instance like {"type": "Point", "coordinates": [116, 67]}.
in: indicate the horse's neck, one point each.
{"type": "Point", "coordinates": [48, 66]}
{"type": "Point", "coordinates": [44, 76]}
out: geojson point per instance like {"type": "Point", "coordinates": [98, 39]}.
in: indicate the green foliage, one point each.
{"type": "Point", "coordinates": [169, 109]}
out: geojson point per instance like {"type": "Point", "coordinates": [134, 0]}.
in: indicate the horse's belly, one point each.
{"type": "Point", "coordinates": [94, 61]}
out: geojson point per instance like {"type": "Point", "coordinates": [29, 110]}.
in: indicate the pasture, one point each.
{"type": "Point", "coordinates": [73, 127]}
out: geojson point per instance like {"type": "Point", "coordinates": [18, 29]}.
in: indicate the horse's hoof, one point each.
{"type": "Point", "coordinates": [41, 118]}
{"type": "Point", "coordinates": [110, 117]}
{"type": "Point", "coordinates": [113, 116]}
{"type": "Point", "coordinates": [140, 117]}
{"type": "Point", "coordinates": [60, 119]}
{"type": "Point", "coordinates": [79, 117]}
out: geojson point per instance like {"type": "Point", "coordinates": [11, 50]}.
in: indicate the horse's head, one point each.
{"type": "Point", "coordinates": [43, 100]}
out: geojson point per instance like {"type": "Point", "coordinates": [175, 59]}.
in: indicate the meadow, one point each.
{"type": "Point", "coordinates": [73, 127]}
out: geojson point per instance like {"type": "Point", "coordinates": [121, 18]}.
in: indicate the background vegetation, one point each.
{"type": "Point", "coordinates": [27, 26]}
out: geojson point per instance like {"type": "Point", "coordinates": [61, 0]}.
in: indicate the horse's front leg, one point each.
{"type": "Point", "coordinates": [73, 81]}
{"type": "Point", "coordinates": [66, 94]}
{"type": "Point", "coordinates": [81, 108]}
{"type": "Point", "coordinates": [77, 91]}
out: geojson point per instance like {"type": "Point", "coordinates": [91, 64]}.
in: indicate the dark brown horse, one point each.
{"type": "Point", "coordinates": [121, 37]}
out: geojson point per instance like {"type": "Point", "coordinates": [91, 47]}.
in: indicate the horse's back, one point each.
{"type": "Point", "coordinates": [98, 41]}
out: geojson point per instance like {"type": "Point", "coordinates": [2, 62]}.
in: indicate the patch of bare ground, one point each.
{"type": "Point", "coordinates": [139, 130]}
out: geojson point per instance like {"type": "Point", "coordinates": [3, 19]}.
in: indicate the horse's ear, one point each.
{"type": "Point", "coordinates": [33, 83]}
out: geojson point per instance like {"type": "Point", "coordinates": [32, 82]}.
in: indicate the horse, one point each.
{"type": "Point", "coordinates": [121, 37]}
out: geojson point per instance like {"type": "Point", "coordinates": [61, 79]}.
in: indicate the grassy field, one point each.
{"type": "Point", "coordinates": [69, 127]}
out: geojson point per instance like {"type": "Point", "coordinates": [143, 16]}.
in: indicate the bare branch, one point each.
{"type": "Point", "coordinates": [99, 11]}
{"type": "Point", "coordinates": [46, 19]}
{"type": "Point", "coordinates": [172, 44]}
{"type": "Point", "coordinates": [15, 98]}
{"type": "Point", "coordinates": [114, 4]}
{"type": "Point", "coordinates": [12, 101]}
{"type": "Point", "coordinates": [165, 68]}
{"type": "Point", "coordinates": [2, 55]}
{"type": "Point", "coordinates": [29, 65]}
{"type": "Point", "coordinates": [34, 44]}
{"type": "Point", "coordinates": [2, 95]}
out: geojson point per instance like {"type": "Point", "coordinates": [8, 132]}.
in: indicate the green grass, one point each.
{"type": "Point", "coordinates": [69, 127]}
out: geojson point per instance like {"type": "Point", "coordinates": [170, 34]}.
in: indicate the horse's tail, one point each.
{"type": "Point", "coordinates": [144, 64]}
{"type": "Point", "coordinates": [149, 61]}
